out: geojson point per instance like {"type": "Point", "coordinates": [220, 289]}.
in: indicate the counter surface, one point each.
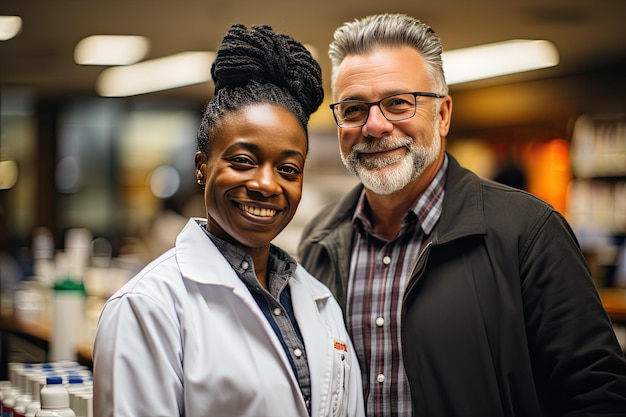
{"type": "Point", "coordinates": [613, 300]}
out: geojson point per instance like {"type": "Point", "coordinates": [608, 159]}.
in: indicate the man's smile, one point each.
{"type": "Point", "coordinates": [379, 153]}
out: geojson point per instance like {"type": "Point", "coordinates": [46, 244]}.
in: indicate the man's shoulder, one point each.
{"type": "Point", "coordinates": [334, 213]}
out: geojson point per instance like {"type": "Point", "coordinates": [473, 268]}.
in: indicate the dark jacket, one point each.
{"type": "Point", "coordinates": [500, 316]}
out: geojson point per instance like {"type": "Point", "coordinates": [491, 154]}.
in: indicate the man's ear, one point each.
{"type": "Point", "coordinates": [445, 116]}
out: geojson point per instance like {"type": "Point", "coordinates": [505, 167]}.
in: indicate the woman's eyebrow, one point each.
{"type": "Point", "coordinates": [254, 147]}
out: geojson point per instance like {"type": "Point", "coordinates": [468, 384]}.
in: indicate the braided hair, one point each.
{"type": "Point", "coordinates": [261, 66]}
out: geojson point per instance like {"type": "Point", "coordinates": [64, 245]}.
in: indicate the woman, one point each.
{"type": "Point", "coordinates": [225, 323]}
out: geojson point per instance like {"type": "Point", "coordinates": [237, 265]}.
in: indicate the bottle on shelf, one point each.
{"type": "Point", "coordinates": [21, 403]}
{"type": "Point", "coordinates": [69, 295]}
{"type": "Point", "coordinates": [55, 399]}
{"type": "Point", "coordinates": [8, 401]}
{"type": "Point", "coordinates": [76, 387]}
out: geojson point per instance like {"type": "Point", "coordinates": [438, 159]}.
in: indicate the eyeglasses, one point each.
{"type": "Point", "coordinates": [396, 107]}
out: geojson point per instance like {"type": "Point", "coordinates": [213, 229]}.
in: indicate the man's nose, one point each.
{"type": "Point", "coordinates": [376, 124]}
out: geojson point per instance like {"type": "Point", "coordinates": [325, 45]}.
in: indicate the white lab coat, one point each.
{"type": "Point", "coordinates": [185, 337]}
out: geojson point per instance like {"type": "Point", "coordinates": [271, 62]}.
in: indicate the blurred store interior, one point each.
{"type": "Point", "coordinates": [109, 180]}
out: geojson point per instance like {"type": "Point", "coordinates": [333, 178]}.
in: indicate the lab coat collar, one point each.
{"type": "Point", "coordinates": [196, 254]}
{"type": "Point", "coordinates": [198, 258]}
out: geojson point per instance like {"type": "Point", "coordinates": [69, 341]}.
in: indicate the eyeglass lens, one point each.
{"type": "Point", "coordinates": [394, 108]}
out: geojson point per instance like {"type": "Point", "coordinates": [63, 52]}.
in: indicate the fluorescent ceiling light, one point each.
{"type": "Point", "coordinates": [110, 50]}
{"type": "Point", "coordinates": [9, 27]}
{"type": "Point", "coordinates": [492, 60]}
{"type": "Point", "coordinates": [174, 71]}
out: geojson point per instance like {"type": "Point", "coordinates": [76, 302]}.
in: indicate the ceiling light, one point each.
{"type": "Point", "coordinates": [9, 27]}
{"type": "Point", "coordinates": [110, 50]}
{"type": "Point", "coordinates": [492, 60]}
{"type": "Point", "coordinates": [174, 71]}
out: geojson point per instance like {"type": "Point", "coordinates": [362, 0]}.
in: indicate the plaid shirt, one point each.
{"type": "Point", "coordinates": [379, 273]}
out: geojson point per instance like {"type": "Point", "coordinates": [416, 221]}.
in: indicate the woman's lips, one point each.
{"type": "Point", "coordinates": [257, 211]}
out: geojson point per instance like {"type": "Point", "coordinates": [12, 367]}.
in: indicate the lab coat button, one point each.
{"type": "Point", "coordinates": [380, 378]}
{"type": "Point", "coordinates": [380, 321]}
{"type": "Point", "coordinates": [386, 260]}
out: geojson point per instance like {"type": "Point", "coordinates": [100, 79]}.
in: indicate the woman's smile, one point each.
{"type": "Point", "coordinates": [257, 211]}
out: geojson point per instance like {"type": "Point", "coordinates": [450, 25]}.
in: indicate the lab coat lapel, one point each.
{"type": "Point", "coordinates": [200, 260]}
{"type": "Point", "coordinates": [319, 348]}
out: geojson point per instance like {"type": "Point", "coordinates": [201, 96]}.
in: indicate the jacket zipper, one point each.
{"type": "Point", "coordinates": [412, 281]}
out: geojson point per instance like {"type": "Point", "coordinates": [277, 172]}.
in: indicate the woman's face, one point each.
{"type": "Point", "coordinates": [253, 173]}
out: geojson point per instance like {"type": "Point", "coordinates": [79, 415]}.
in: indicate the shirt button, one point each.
{"type": "Point", "coordinates": [380, 378]}
{"type": "Point", "coordinates": [245, 265]}
{"type": "Point", "coordinates": [277, 311]}
{"type": "Point", "coordinates": [297, 352]}
{"type": "Point", "coordinates": [386, 260]}
{"type": "Point", "coordinates": [380, 321]}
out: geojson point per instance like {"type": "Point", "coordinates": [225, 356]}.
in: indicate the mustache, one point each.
{"type": "Point", "coordinates": [382, 144]}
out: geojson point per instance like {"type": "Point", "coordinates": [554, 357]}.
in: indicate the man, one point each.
{"type": "Point", "coordinates": [463, 297]}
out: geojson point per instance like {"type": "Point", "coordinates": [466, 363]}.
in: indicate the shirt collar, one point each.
{"type": "Point", "coordinates": [280, 261]}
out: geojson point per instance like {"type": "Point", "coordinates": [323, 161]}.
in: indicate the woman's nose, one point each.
{"type": "Point", "coordinates": [264, 181]}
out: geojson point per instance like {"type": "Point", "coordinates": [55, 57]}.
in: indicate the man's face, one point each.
{"type": "Point", "coordinates": [387, 156]}
{"type": "Point", "coordinates": [253, 175]}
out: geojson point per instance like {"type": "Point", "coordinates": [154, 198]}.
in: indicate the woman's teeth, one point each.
{"type": "Point", "coordinates": [260, 212]}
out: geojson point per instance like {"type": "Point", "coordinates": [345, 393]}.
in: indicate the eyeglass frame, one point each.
{"type": "Point", "coordinates": [369, 105]}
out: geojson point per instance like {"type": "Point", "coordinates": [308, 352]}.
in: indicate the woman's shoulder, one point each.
{"type": "Point", "coordinates": [156, 280]}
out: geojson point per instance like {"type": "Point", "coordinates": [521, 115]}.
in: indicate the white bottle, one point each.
{"type": "Point", "coordinates": [43, 256]}
{"type": "Point", "coordinates": [69, 295]}
{"type": "Point", "coordinates": [32, 409]}
{"type": "Point", "coordinates": [75, 386]}
{"type": "Point", "coordinates": [8, 401]}
{"type": "Point", "coordinates": [67, 313]}
{"type": "Point", "coordinates": [55, 399]}
{"type": "Point", "coordinates": [21, 402]}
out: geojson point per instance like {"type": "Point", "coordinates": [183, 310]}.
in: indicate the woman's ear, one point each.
{"type": "Point", "coordinates": [200, 162]}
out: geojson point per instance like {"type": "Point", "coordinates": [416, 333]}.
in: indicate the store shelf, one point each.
{"type": "Point", "coordinates": [27, 341]}
{"type": "Point", "coordinates": [596, 206]}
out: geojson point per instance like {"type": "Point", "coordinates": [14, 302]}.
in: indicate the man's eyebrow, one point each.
{"type": "Point", "coordinates": [387, 94]}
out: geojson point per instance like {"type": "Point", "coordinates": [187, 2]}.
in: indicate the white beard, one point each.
{"type": "Point", "coordinates": [378, 174]}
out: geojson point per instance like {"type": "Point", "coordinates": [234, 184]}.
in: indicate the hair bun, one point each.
{"type": "Point", "coordinates": [264, 56]}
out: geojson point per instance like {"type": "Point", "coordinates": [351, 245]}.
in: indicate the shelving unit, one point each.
{"type": "Point", "coordinates": [597, 194]}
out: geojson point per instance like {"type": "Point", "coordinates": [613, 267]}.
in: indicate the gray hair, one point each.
{"type": "Point", "coordinates": [362, 36]}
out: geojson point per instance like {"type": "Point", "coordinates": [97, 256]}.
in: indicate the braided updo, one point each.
{"type": "Point", "coordinates": [261, 66]}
